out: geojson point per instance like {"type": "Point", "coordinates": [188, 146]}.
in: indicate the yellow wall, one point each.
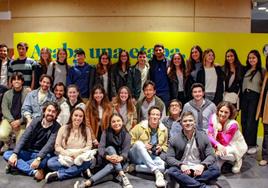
{"type": "Point", "coordinates": [124, 16]}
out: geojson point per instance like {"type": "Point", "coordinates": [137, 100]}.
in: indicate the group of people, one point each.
{"type": "Point", "coordinates": [166, 117]}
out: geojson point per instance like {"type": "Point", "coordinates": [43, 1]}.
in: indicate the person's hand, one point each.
{"type": "Point", "coordinates": [221, 150]}
{"type": "Point", "coordinates": [185, 169]}
{"type": "Point", "coordinates": [148, 146]}
{"type": "Point", "coordinates": [199, 170]}
{"type": "Point", "coordinates": [95, 143]}
{"type": "Point", "coordinates": [15, 125]}
{"type": "Point", "coordinates": [13, 159]}
{"type": "Point", "coordinates": [35, 164]}
{"type": "Point", "coordinates": [111, 158]}
{"type": "Point", "coordinates": [158, 149]}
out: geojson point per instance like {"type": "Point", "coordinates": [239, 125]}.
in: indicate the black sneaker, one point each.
{"type": "Point", "coordinates": [86, 174]}
{"type": "Point", "coordinates": [51, 176]}
{"type": "Point", "coordinates": [79, 184]}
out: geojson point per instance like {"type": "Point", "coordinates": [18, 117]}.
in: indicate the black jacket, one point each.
{"type": "Point", "coordinates": [111, 88]}
{"type": "Point", "coordinates": [201, 77]}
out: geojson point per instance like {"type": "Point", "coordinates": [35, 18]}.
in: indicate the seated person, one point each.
{"type": "Point", "coordinates": [36, 145]}
{"type": "Point", "coordinates": [113, 150]}
{"type": "Point", "coordinates": [12, 121]}
{"type": "Point", "coordinates": [148, 140]}
{"type": "Point", "coordinates": [172, 122]}
{"type": "Point", "coordinates": [190, 156]}
{"type": "Point", "coordinates": [150, 99]}
{"type": "Point", "coordinates": [225, 137]}
{"type": "Point", "coordinates": [34, 101]}
{"type": "Point", "coordinates": [73, 146]}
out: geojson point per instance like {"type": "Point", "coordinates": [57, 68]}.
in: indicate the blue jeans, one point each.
{"type": "Point", "coordinates": [25, 159]}
{"type": "Point", "coordinates": [175, 174]}
{"type": "Point", "coordinates": [66, 172]}
{"type": "Point", "coordinates": [109, 168]}
{"type": "Point", "coordinates": [144, 161]}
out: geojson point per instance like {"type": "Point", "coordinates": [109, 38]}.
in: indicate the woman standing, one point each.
{"type": "Point", "coordinates": [176, 75]}
{"type": "Point", "coordinates": [58, 70]}
{"type": "Point", "coordinates": [251, 89]}
{"type": "Point", "coordinates": [104, 76]}
{"type": "Point", "coordinates": [225, 137]}
{"type": "Point", "coordinates": [73, 144]}
{"type": "Point", "coordinates": [98, 111]}
{"type": "Point", "coordinates": [211, 77]}
{"type": "Point", "coordinates": [233, 71]}
{"type": "Point", "coordinates": [262, 111]}
{"type": "Point", "coordinates": [113, 150]}
{"type": "Point", "coordinates": [124, 106]}
{"type": "Point", "coordinates": [42, 64]}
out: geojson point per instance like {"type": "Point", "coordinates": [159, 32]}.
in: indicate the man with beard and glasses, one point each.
{"type": "Point", "coordinates": [36, 145]}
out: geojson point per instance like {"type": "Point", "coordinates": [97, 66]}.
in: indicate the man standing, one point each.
{"type": "Point", "coordinates": [191, 157]}
{"type": "Point", "coordinates": [11, 108]}
{"type": "Point", "coordinates": [82, 75]}
{"type": "Point", "coordinates": [23, 64]}
{"type": "Point", "coordinates": [36, 144]}
{"type": "Point", "coordinates": [158, 73]}
{"type": "Point", "coordinates": [4, 65]}
{"type": "Point", "coordinates": [201, 108]}
{"type": "Point", "coordinates": [149, 100]}
{"type": "Point", "coordinates": [149, 140]}
{"type": "Point", "coordinates": [34, 101]}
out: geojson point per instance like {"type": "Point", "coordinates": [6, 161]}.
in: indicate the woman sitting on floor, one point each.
{"type": "Point", "coordinates": [225, 137]}
{"type": "Point", "coordinates": [113, 149]}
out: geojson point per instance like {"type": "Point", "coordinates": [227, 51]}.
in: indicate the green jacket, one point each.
{"type": "Point", "coordinates": [7, 103]}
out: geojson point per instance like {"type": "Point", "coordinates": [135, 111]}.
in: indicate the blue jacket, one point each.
{"type": "Point", "coordinates": [83, 77]}
{"type": "Point", "coordinates": [32, 107]}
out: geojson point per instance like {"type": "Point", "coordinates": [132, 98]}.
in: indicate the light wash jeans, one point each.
{"type": "Point", "coordinates": [144, 161]}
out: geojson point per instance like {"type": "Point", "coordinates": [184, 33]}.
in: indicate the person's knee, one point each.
{"type": "Point", "coordinates": [139, 145]}
{"type": "Point", "coordinates": [7, 155]}
{"type": "Point", "coordinates": [110, 150]}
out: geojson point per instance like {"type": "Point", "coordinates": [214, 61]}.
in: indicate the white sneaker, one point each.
{"type": "Point", "coordinates": [125, 182]}
{"type": "Point", "coordinates": [252, 150]}
{"type": "Point", "coordinates": [237, 166]}
{"type": "Point", "coordinates": [159, 179]}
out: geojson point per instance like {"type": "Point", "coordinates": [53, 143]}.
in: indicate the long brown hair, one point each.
{"type": "Point", "coordinates": [129, 103]}
{"type": "Point", "coordinates": [83, 126]}
{"type": "Point", "coordinates": [172, 73]}
{"type": "Point", "coordinates": [99, 67]}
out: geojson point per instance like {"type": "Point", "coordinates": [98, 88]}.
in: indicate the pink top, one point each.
{"type": "Point", "coordinates": [223, 136]}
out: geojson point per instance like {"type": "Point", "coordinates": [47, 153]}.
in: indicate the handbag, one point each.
{"type": "Point", "coordinates": [231, 97]}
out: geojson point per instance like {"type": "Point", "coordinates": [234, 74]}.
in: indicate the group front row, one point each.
{"type": "Point", "coordinates": [177, 149]}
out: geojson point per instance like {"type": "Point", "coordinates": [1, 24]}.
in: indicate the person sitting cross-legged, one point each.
{"type": "Point", "coordinates": [191, 157]}
{"type": "Point", "coordinates": [36, 145]}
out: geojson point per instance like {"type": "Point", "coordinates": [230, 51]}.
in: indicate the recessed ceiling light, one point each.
{"type": "Point", "coordinates": [261, 8]}
{"type": "Point", "coordinates": [266, 10]}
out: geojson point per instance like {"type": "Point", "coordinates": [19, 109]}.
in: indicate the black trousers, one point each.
{"type": "Point", "coordinates": [265, 142]}
{"type": "Point", "coordinates": [249, 103]}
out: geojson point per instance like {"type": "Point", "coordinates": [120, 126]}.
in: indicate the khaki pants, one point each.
{"type": "Point", "coordinates": [6, 130]}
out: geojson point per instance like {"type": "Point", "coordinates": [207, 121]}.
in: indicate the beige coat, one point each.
{"type": "Point", "coordinates": [264, 96]}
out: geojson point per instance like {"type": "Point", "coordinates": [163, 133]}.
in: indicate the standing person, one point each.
{"type": "Point", "coordinates": [124, 106]}
{"type": "Point", "coordinates": [149, 100]}
{"type": "Point", "coordinates": [148, 141]}
{"type": "Point", "coordinates": [121, 75]}
{"type": "Point", "coordinates": [113, 150]}
{"type": "Point", "coordinates": [98, 111]}
{"type": "Point", "coordinates": [177, 77]}
{"type": "Point", "coordinates": [42, 65]}
{"type": "Point", "coordinates": [59, 92]}
{"type": "Point", "coordinates": [104, 75]}
{"type": "Point", "coordinates": [234, 72]}
{"type": "Point", "coordinates": [225, 137]}
{"type": "Point", "coordinates": [193, 65]}
{"type": "Point", "coordinates": [158, 73]}
{"type": "Point", "coordinates": [251, 89]}
{"type": "Point", "coordinates": [36, 145]}
{"type": "Point", "coordinates": [172, 122]}
{"type": "Point", "coordinates": [262, 111]}
{"type": "Point", "coordinates": [35, 100]}
{"type": "Point", "coordinates": [140, 74]}
{"type": "Point", "coordinates": [23, 64]}
{"type": "Point", "coordinates": [201, 108]}
{"type": "Point", "coordinates": [11, 108]}
{"type": "Point", "coordinates": [73, 144]}
{"type": "Point", "coordinates": [58, 70]}
{"type": "Point", "coordinates": [212, 77]}
{"type": "Point", "coordinates": [82, 75]}
{"type": "Point", "coordinates": [190, 156]}
{"type": "Point", "coordinates": [4, 65]}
